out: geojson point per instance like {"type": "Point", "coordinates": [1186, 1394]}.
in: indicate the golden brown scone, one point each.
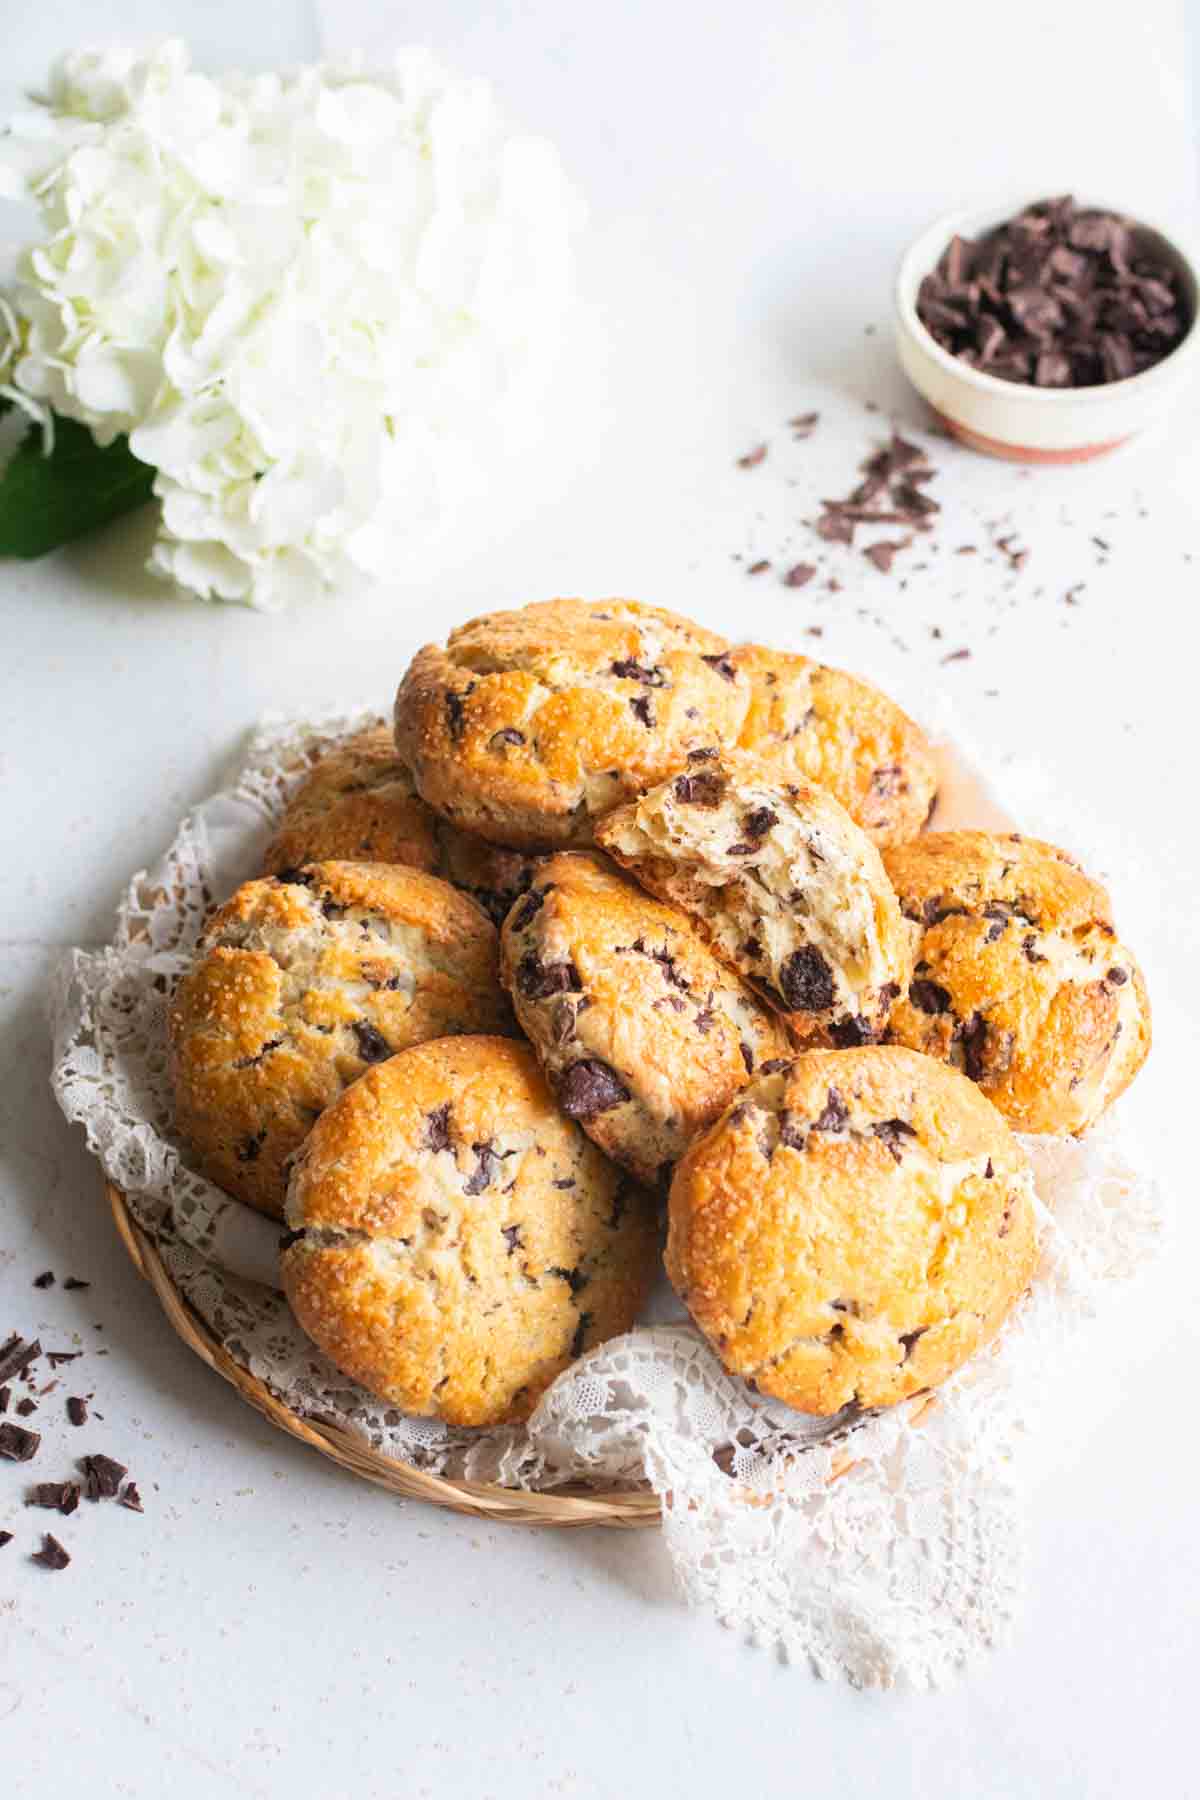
{"type": "Point", "coordinates": [529, 723]}
{"type": "Point", "coordinates": [358, 805]}
{"type": "Point", "coordinates": [853, 1229]}
{"type": "Point", "coordinates": [297, 987]}
{"type": "Point", "coordinates": [644, 1036]}
{"type": "Point", "coordinates": [820, 724]}
{"type": "Point", "coordinates": [783, 884]}
{"type": "Point", "coordinates": [1019, 976]}
{"type": "Point", "coordinates": [455, 1241]}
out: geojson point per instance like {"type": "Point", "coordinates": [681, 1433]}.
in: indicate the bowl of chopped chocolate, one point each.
{"type": "Point", "coordinates": [1048, 333]}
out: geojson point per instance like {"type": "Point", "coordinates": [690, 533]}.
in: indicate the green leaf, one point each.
{"type": "Point", "coordinates": [46, 501]}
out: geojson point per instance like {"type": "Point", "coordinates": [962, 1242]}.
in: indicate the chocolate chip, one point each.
{"type": "Point", "coordinates": [884, 553]}
{"type": "Point", "coordinates": [45, 1279]}
{"type": "Point", "coordinates": [776, 1065]}
{"type": "Point", "coordinates": [590, 1087]}
{"type": "Point", "coordinates": [753, 457]}
{"type": "Point", "coordinates": [759, 821]}
{"type": "Point", "coordinates": [742, 850]}
{"type": "Point", "coordinates": [893, 1132]}
{"type": "Point", "coordinates": [500, 740]}
{"type": "Point", "coordinates": [641, 709]}
{"type": "Point", "coordinates": [131, 1498]}
{"type": "Point", "coordinates": [847, 1034]}
{"type": "Point", "coordinates": [6, 1537]}
{"type": "Point", "coordinates": [373, 1047]}
{"type": "Point", "coordinates": [834, 1115]}
{"type": "Point", "coordinates": [628, 670]}
{"type": "Point", "coordinates": [1005, 1225]}
{"type": "Point", "coordinates": [56, 1496]}
{"type": "Point", "coordinates": [512, 1235]}
{"type": "Point", "coordinates": [16, 1356]}
{"type": "Point", "coordinates": [17, 1444]}
{"type": "Point", "coordinates": [77, 1409]}
{"type": "Point", "coordinates": [910, 1338]}
{"type": "Point", "coordinates": [26, 1407]}
{"type": "Point", "coordinates": [752, 949]}
{"type": "Point", "coordinates": [705, 789]}
{"type": "Point", "coordinates": [249, 1148]}
{"type": "Point", "coordinates": [332, 909]}
{"type": "Point", "coordinates": [804, 424]}
{"type": "Point", "coordinates": [989, 1171]}
{"type": "Point", "coordinates": [102, 1476]}
{"type": "Point", "coordinates": [760, 567]}
{"type": "Point", "coordinates": [294, 878]}
{"type": "Point", "coordinates": [806, 981]}
{"type": "Point", "coordinates": [888, 781]}
{"type": "Point", "coordinates": [575, 1278]}
{"type": "Point", "coordinates": [456, 710]}
{"type": "Point", "coordinates": [51, 1555]}
{"type": "Point", "coordinates": [706, 1017]}
{"type": "Point", "coordinates": [56, 1358]}
{"type": "Point", "coordinates": [539, 981]}
{"type": "Point", "coordinates": [722, 664]}
{"type": "Point", "coordinates": [747, 1056]}
{"type": "Point", "coordinates": [929, 996]}
{"type": "Point", "coordinates": [1030, 950]}
{"type": "Point", "coordinates": [793, 1134]}
{"type": "Point", "coordinates": [568, 1181]}
{"type": "Point", "coordinates": [578, 1342]}
{"type": "Point", "coordinates": [527, 909]}
{"type": "Point", "coordinates": [1117, 977]}
{"type": "Point", "coordinates": [72, 1284]}
{"type": "Point", "coordinates": [487, 1163]}
{"type": "Point", "coordinates": [437, 1128]}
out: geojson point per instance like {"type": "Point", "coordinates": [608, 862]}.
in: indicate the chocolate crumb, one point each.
{"type": "Point", "coordinates": [956, 656]}
{"type": "Point", "coordinates": [16, 1356]}
{"type": "Point", "coordinates": [373, 1047]}
{"type": "Point", "coordinates": [753, 457]}
{"type": "Point", "coordinates": [102, 1476]}
{"type": "Point", "coordinates": [759, 568]}
{"type": "Point", "coordinates": [51, 1555]}
{"type": "Point", "coordinates": [804, 424]}
{"type": "Point", "coordinates": [26, 1406]}
{"type": "Point", "coordinates": [72, 1284]}
{"type": "Point", "coordinates": [131, 1498]}
{"type": "Point", "coordinates": [45, 1279]}
{"type": "Point", "coordinates": [77, 1409]}
{"type": "Point", "coordinates": [590, 1087]}
{"type": "Point", "coordinates": [834, 1115]}
{"type": "Point", "coordinates": [437, 1128]}
{"type": "Point", "coordinates": [6, 1537]}
{"type": "Point", "coordinates": [799, 575]}
{"type": "Point", "coordinates": [884, 553]}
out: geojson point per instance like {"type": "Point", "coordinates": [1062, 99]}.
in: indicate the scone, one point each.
{"type": "Point", "coordinates": [783, 884]}
{"type": "Point", "coordinates": [644, 1036]}
{"type": "Point", "coordinates": [454, 1241]}
{"type": "Point", "coordinates": [853, 1229]}
{"type": "Point", "coordinates": [813, 723]}
{"type": "Point", "coordinates": [299, 985]}
{"type": "Point", "coordinates": [360, 805]}
{"type": "Point", "coordinates": [529, 723]}
{"type": "Point", "coordinates": [1019, 976]}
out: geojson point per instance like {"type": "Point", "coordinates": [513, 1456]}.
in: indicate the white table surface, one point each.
{"type": "Point", "coordinates": [272, 1628]}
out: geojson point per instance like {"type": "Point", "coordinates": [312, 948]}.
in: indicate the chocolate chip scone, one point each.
{"type": "Point", "coordinates": [1019, 977]}
{"type": "Point", "coordinates": [529, 723]}
{"type": "Point", "coordinates": [454, 1241]}
{"type": "Point", "coordinates": [299, 985]}
{"type": "Point", "coordinates": [814, 723]}
{"type": "Point", "coordinates": [644, 1036]}
{"type": "Point", "coordinates": [783, 884]}
{"type": "Point", "coordinates": [853, 1229]}
{"type": "Point", "coordinates": [360, 805]}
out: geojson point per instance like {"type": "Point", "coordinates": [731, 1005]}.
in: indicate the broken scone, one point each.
{"type": "Point", "coordinates": [781, 881]}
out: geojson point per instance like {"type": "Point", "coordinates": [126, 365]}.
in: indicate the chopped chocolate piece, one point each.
{"type": "Point", "coordinates": [590, 1087]}
{"type": "Point", "coordinates": [834, 1115]}
{"type": "Point", "coordinates": [848, 1033]}
{"type": "Point", "coordinates": [17, 1444]}
{"type": "Point", "coordinates": [56, 1496]}
{"type": "Point", "coordinates": [759, 820]}
{"type": "Point", "coordinates": [5, 1397]}
{"type": "Point", "coordinates": [487, 1163]}
{"type": "Point", "coordinates": [579, 1341]}
{"type": "Point", "coordinates": [835, 528]}
{"type": "Point", "coordinates": [131, 1498]}
{"type": "Point", "coordinates": [6, 1537]}
{"type": "Point", "coordinates": [286, 1241]}
{"type": "Point", "coordinates": [437, 1128]}
{"type": "Point", "coordinates": [705, 789]}
{"type": "Point", "coordinates": [45, 1279]}
{"type": "Point", "coordinates": [641, 709]}
{"type": "Point", "coordinates": [929, 996]}
{"type": "Point", "coordinates": [500, 740]}
{"type": "Point", "coordinates": [102, 1476]}
{"type": "Point", "coordinates": [806, 981]}
{"type": "Point", "coordinates": [799, 575]}
{"type": "Point", "coordinates": [956, 656]}
{"type": "Point", "coordinates": [775, 1065]}
{"type": "Point", "coordinates": [16, 1355]}
{"type": "Point", "coordinates": [742, 850]}
{"type": "Point", "coordinates": [512, 1234]}
{"type": "Point", "coordinates": [77, 1406]}
{"type": "Point", "coordinates": [884, 553]}
{"type": "Point", "coordinates": [628, 670]}
{"type": "Point", "coordinates": [804, 424]}
{"type": "Point", "coordinates": [26, 1406]}
{"type": "Point", "coordinates": [51, 1555]}
{"type": "Point", "coordinates": [540, 981]}
{"type": "Point", "coordinates": [456, 710]}
{"type": "Point", "coordinates": [747, 1056]}
{"type": "Point", "coordinates": [893, 1132]}
{"type": "Point", "coordinates": [753, 457]}
{"type": "Point", "coordinates": [527, 909]}
{"type": "Point", "coordinates": [759, 568]}
{"type": "Point", "coordinates": [909, 1339]}
{"type": "Point", "coordinates": [73, 1283]}
{"type": "Point", "coordinates": [373, 1047]}
{"type": "Point", "coordinates": [722, 665]}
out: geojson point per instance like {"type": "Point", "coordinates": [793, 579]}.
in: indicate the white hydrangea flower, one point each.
{"type": "Point", "coordinates": [314, 300]}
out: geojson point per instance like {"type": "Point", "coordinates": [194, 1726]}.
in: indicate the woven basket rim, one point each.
{"type": "Point", "coordinates": [569, 1507]}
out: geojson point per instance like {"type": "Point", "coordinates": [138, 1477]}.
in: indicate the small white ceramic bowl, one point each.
{"type": "Point", "coordinates": [1019, 421]}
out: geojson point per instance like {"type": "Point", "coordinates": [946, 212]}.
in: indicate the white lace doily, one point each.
{"type": "Point", "coordinates": [902, 1568]}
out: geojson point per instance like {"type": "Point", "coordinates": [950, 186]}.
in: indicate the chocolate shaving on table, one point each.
{"type": "Point", "coordinates": [51, 1555]}
{"type": "Point", "coordinates": [804, 424]}
{"type": "Point", "coordinates": [102, 1477]}
{"type": "Point", "coordinates": [131, 1498]}
{"type": "Point", "coordinates": [26, 1406]}
{"type": "Point", "coordinates": [956, 656]}
{"type": "Point", "coordinates": [57, 1496]}
{"type": "Point", "coordinates": [45, 1279]}
{"type": "Point", "coordinates": [889, 494]}
{"type": "Point", "coordinates": [56, 1358]}
{"type": "Point", "coordinates": [799, 575]}
{"type": "Point", "coordinates": [17, 1444]}
{"type": "Point", "coordinates": [6, 1537]}
{"type": "Point", "coordinates": [16, 1356]}
{"type": "Point", "coordinates": [77, 1409]}
{"type": "Point", "coordinates": [72, 1283]}
{"type": "Point", "coordinates": [884, 553]}
{"type": "Point", "coordinates": [5, 1397]}
{"type": "Point", "coordinates": [753, 457]}
{"type": "Point", "coordinates": [1059, 296]}
{"type": "Point", "coordinates": [759, 568]}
